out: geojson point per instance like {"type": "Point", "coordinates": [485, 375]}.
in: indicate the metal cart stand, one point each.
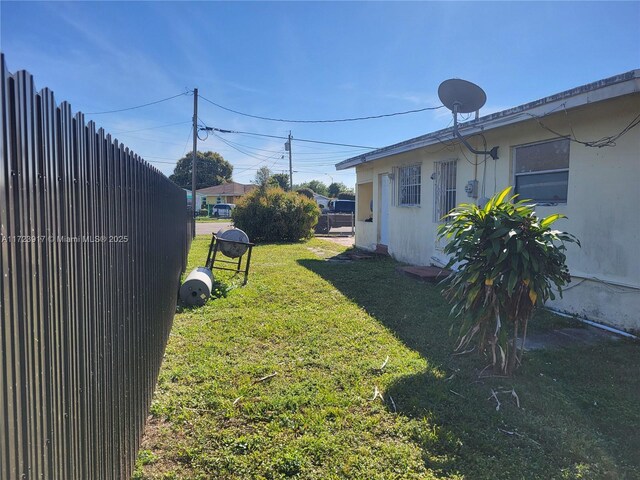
{"type": "Point", "coordinates": [234, 249]}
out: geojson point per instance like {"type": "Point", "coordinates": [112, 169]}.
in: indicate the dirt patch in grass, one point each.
{"type": "Point", "coordinates": [345, 241]}
{"type": "Point", "coordinates": [164, 452]}
{"type": "Point", "coordinates": [320, 252]}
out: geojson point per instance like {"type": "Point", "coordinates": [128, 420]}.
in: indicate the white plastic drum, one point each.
{"type": "Point", "coordinates": [232, 250]}
{"type": "Point", "coordinates": [196, 289]}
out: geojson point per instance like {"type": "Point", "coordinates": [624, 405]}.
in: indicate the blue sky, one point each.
{"type": "Point", "coordinates": [306, 60]}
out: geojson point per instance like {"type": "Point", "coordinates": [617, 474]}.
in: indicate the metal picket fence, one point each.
{"type": "Point", "coordinates": [92, 243]}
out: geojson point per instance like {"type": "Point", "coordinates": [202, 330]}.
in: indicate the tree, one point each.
{"type": "Point", "coordinates": [335, 188]}
{"type": "Point", "coordinates": [316, 185]}
{"type": "Point", "coordinates": [263, 174]}
{"type": "Point", "coordinates": [509, 261]}
{"type": "Point", "coordinates": [281, 180]}
{"type": "Point", "coordinates": [211, 169]}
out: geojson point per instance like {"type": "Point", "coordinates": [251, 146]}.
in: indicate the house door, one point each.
{"type": "Point", "coordinates": [383, 209]}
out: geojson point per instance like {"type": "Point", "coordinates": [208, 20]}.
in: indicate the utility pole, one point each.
{"type": "Point", "coordinates": [194, 197]}
{"type": "Point", "coordinates": [290, 164]}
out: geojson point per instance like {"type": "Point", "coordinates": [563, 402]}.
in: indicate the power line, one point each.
{"type": "Point", "coordinates": [316, 156]}
{"type": "Point", "coordinates": [261, 162]}
{"type": "Point", "coordinates": [186, 145]}
{"type": "Point", "coordinates": [287, 138]}
{"type": "Point", "coordinates": [155, 156]}
{"type": "Point", "coordinates": [157, 161]}
{"type": "Point", "coordinates": [354, 119]}
{"type": "Point", "coordinates": [148, 139]}
{"type": "Point", "coordinates": [254, 167]}
{"type": "Point", "coordinates": [149, 128]}
{"type": "Point", "coordinates": [256, 156]}
{"type": "Point", "coordinates": [322, 152]}
{"type": "Point", "coordinates": [252, 155]}
{"type": "Point", "coordinates": [138, 106]}
{"type": "Point", "coordinates": [253, 148]}
{"type": "Point", "coordinates": [606, 141]}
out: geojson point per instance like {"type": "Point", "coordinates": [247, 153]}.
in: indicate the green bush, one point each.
{"type": "Point", "coordinates": [509, 262]}
{"type": "Point", "coordinates": [307, 192]}
{"type": "Point", "coordinates": [273, 215]}
{"type": "Point", "coordinates": [346, 196]}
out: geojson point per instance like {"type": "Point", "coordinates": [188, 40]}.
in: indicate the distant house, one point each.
{"type": "Point", "coordinates": [226, 193]}
{"type": "Point", "coordinates": [199, 198]}
{"type": "Point", "coordinates": [549, 151]}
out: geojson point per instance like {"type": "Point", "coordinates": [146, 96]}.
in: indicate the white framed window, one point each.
{"type": "Point", "coordinates": [541, 171]}
{"type": "Point", "coordinates": [444, 188]}
{"type": "Point", "coordinates": [409, 184]}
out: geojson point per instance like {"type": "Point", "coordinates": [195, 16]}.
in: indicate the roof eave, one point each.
{"type": "Point", "coordinates": [606, 89]}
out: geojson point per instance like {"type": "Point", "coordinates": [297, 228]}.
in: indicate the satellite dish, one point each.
{"type": "Point", "coordinates": [461, 96]}
{"type": "Point", "coordinates": [466, 96]}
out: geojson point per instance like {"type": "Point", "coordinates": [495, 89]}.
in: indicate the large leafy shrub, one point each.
{"type": "Point", "coordinates": [273, 215]}
{"type": "Point", "coordinates": [509, 263]}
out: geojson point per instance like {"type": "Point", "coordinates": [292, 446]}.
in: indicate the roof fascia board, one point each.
{"type": "Point", "coordinates": [629, 83]}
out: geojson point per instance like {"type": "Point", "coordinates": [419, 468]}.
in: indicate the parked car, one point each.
{"type": "Point", "coordinates": [339, 214]}
{"type": "Point", "coordinates": [342, 206]}
{"type": "Point", "coordinates": [222, 210]}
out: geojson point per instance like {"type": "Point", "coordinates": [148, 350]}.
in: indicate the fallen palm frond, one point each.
{"type": "Point", "coordinates": [393, 404]}
{"type": "Point", "coordinates": [377, 394]}
{"type": "Point", "coordinates": [266, 377]}
{"type": "Point", "coordinates": [384, 364]}
{"type": "Point", "coordinates": [508, 432]}
{"type": "Point", "coordinates": [495, 393]}
{"type": "Point", "coordinates": [458, 394]}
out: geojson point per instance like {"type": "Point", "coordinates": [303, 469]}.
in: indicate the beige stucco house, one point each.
{"type": "Point", "coordinates": [229, 192]}
{"type": "Point", "coordinates": [545, 154]}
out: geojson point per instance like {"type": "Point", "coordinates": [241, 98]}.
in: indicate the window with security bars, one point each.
{"type": "Point", "coordinates": [409, 182]}
{"type": "Point", "coordinates": [541, 171]}
{"type": "Point", "coordinates": [444, 199]}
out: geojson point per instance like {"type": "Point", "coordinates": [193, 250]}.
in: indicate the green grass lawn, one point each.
{"type": "Point", "coordinates": [324, 328]}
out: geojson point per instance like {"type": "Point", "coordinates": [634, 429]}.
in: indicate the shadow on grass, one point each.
{"type": "Point", "coordinates": [557, 433]}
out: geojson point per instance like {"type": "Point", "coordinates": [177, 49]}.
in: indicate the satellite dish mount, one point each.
{"type": "Point", "coordinates": [461, 96]}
